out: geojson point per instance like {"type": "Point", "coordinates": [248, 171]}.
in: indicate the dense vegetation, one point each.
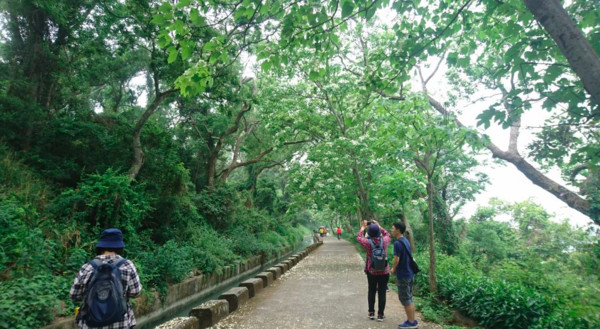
{"type": "Point", "coordinates": [143, 115]}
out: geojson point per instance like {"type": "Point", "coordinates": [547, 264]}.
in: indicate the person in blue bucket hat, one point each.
{"type": "Point", "coordinates": [93, 284]}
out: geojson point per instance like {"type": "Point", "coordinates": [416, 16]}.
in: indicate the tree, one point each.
{"type": "Point", "coordinates": [525, 67]}
{"type": "Point", "coordinates": [572, 43]}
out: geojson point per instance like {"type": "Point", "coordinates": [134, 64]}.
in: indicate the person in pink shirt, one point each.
{"type": "Point", "coordinates": [377, 279]}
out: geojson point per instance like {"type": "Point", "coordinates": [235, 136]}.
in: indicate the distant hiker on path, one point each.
{"type": "Point", "coordinates": [322, 231]}
{"type": "Point", "coordinates": [105, 284]}
{"type": "Point", "coordinates": [339, 232]}
{"type": "Point", "coordinates": [376, 267]}
{"type": "Point", "coordinates": [404, 274]}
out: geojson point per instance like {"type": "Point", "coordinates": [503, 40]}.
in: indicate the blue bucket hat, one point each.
{"type": "Point", "coordinates": [111, 238]}
{"type": "Point", "coordinates": [374, 231]}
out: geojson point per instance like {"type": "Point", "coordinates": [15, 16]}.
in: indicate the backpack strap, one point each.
{"type": "Point", "coordinates": [95, 263]}
{"type": "Point", "coordinates": [373, 243]}
{"type": "Point", "coordinates": [120, 262]}
{"type": "Point", "coordinates": [406, 248]}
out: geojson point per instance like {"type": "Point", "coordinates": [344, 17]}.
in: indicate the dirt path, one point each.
{"type": "Point", "coordinates": [327, 289]}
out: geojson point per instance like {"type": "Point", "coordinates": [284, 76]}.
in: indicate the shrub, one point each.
{"type": "Point", "coordinates": [29, 302]}
{"type": "Point", "coordinates": [493, 303]}
{"type": "Point", "coordinates": [102, 201]}
{"type": "Point", "coordinates": [21, 247]}
{"type": "Point", "coordinates": [216, 205]}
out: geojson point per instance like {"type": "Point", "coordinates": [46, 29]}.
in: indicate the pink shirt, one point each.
{"type": "Point", "coordinates": [364, 242]}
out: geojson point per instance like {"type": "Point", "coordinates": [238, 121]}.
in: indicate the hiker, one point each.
{"type": "Point", "coordinates": [322, 231]}
{"type": "Point", "coordinates": [90, 286]}
{"type": "Point", "coordinates": [378, 271]}
{"type": "Point", "coordinates": [339, 232]}
{"type": "Point", "coordinates": [404, 274]}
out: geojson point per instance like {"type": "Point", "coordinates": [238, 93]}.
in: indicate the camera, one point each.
{"type": "Point", "coordinates": [369, 222]}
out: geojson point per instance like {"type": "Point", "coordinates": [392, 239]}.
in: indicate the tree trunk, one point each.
{"type": "Point", "coordinates": [408, 234]}
{"type": "Point", "coordinates": [138, 153]}
{"type": "Point", "coordinates": [212, 165]}
{"type": "Point", "coordinates": [571, 42]}
{"type": "Point", "coordinates": [363, 195]}
{"type": "Point", "coordinates": [432, 262]}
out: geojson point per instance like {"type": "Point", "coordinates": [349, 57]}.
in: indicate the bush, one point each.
{"type": "Point", "coordinates": [102, 201]}
{"type": "Point", "coordinates": [22, 248]}
{"type": "Point", "coordinates": [216, 205]}
{"type": "Point", "coordinates": [493, 303]}
{"type": "Point", "coordinates": [30, 302]}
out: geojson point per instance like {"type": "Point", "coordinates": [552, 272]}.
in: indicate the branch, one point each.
{"type": "Point", "coordinates": [572, 199]}
{"type": "Point", "coordinates": [392, 97]}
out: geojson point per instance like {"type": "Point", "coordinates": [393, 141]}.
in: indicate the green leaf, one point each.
{"type": "Point", "coordinates": [210, 46]}
{"type": "Point", "coordinates": [196, 19]}
{"type": "Point", "coordinates": [165, 7]}
{"type": "Point", "coordinates": [214, 57]}
{"type": "Point", "coordinates": [262, 54]}
{"type": "Point", "coordinates": [266, 65]}
{"type": "Point", "coordinates": [371, 12]}
{"type": "Point", "coordinates": [187, 48]}
{"type": "Point", "coordinates": [159, 19]}
{"type": "Point", "coordinates": [238, 14]}
{"type": "Point", "coordinates": [164, 40]}
{"type": "Point", "coordinates": [264, 10]}
{"type": "Point", "coordinates": [347, 8]}
{"type": "Point", "coordinates": [313, 75]}
{"type": "Point", "coordinates": [183, 3]}
{"type": "Point", "coordinates": [452, 58]}
{"type": "Point", "coordinates": [179, 27]}
{"type": "Point", "coordinates": [172, 54]}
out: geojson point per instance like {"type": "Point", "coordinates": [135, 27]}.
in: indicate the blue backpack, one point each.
{"type": "Point", "coordinates": [378, 256]}
{"type": "Point", "coordinates": [105, 302]}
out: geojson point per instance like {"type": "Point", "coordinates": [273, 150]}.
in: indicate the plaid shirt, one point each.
{"type": "Point", "coordinates": [133, 287]}
{"type": "Point", "coordinates": [364, 242]}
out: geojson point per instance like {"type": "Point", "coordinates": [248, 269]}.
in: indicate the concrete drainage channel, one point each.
{"type": "Point", "coordinates": [181, 297]}
{"type": "Point", "coordinates": [209, 313]}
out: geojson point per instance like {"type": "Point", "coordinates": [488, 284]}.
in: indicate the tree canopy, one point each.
{"type": "Point", "coordinates": [222, 129]}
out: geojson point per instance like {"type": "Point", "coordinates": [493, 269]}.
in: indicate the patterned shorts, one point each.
{"type": "Point", "coordinates": [405, 290]}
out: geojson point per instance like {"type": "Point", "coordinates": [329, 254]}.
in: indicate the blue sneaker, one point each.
{"type": "Point", "coordinates": [409, 325]}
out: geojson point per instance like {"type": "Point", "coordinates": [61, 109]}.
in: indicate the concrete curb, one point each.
{"type": "Point", "coordinates": [236, 297]}
{"type": "Point", "coordinates": [254, 286]}
{"type": "Point", "coordinates": [267, 278]}
{"type": "Point", "coordinates": [213, 311]}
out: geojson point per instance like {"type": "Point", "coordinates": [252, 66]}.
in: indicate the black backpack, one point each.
{"type": "Point", "coordinates": [105, 302]}
{"type": "Point", "coordinates": [378, 256]}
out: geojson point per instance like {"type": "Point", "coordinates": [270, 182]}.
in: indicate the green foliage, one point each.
{"type": "Point", "coordinates": [253, 233]}
{"type": "Point", "coordinates": [216, 206]}
{"type": "Point", "coordinates": [493, 303]}
{"type": "Point", "coordinates": [104, 200]}
{"type": "Point", "coordinates": [344, 132]}
{"type": "Point", "coordinates": [22, 244]}
{"type": "Point", "coordinates": [432, 309]}
{"type": "Point", "coordinates": [30, 302]}
{"type": "Point", "coordinates": [169, 263]}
